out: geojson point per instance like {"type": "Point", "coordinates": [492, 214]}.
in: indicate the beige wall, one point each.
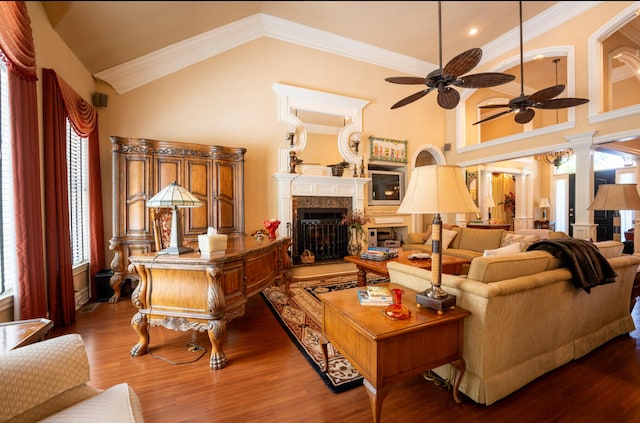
{"type": "Point", "coordinates": [228, 100]}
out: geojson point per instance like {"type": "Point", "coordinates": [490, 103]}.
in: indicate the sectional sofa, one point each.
{"type": "Point", "coordinates": [527, 317]}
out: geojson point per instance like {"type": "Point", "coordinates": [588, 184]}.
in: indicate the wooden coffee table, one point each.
{"type": "Point", "coordinates": [450, 265]}
{"type": "Point", "coordinates": [386, 351]}
{"type": "Point", "coordinates": [22, 332]}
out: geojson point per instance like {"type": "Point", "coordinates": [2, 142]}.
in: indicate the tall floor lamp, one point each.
{"type": "Point", "coordinates": [616, 197]}
{"type": "Point", "coordinates": [433, 190]}
{"type": "Point", "coordinates": [174, 196]}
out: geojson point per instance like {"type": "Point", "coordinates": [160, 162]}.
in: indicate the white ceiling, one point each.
{"type": "Point", "coordinates": [115, 38]}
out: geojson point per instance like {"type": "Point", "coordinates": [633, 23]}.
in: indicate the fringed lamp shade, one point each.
{"type": "Point", "coordinates": [174, 196]}
{"type": "Point", "coordinates": [434, 190]}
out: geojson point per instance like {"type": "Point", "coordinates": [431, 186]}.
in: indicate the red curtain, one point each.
{"type": "Point", "coordinates": [18, 52]}
{"type": "Point", "coordinates": [59, 102]}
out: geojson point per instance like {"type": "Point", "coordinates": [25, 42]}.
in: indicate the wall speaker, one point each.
{"type": "Point", "coordinates": [100, 99]}
{"type": "Point", "coordinates": [373, 237]}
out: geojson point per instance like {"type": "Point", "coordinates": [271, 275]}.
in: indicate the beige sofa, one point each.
{"type": "Point", "coordinates": [527, 318]}
{"type": "Point", "coordinates": [48, 381]}
{"type": "Point", "coordinates": [472, 242]}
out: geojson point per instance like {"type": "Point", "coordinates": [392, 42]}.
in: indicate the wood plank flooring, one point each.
{"type": "Point", "coordinates": [268, 379]}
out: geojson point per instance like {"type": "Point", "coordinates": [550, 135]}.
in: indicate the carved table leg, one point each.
{"type": "Point", "coordinates": [376, 397]}
{"type": "Point", "coordinates": [459, 366]}
{"type": "Point", "coordinates": [362, 277]}
{"type": "Point", "coordinates": [217, 332]}
{"type": "Point", "coordinates": [140, 326]}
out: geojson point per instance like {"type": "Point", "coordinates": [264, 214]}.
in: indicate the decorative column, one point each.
{"type": "Point", "coordinates": [583, 228]}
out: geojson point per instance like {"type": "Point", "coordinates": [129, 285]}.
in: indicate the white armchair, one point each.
{"type": "Point", "coordinates": [47, 381]}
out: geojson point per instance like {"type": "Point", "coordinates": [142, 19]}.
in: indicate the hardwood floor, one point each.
{"type": "Point", "coordinates": [268, 379]}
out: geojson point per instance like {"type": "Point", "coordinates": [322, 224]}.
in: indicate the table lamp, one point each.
{"type": "Point", "coordinates": [489, 203]}
{"type": "Point", "coordinates": [544, 203]}
{"type": "Point", "coordinates": [616, 197]}
{"type": "Point", "coordinates": [174, 196]}
{"type": "Point", "coordinates": [437, 189]}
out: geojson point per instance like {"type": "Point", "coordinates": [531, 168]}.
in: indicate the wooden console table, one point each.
{"type": "Point", "coordinates": [386, 351]}
{"type": "Point", "coordinates": [505, 226]}
{"type": "Point", "coordinates": [450, 264]}
{"type": "Point", "coordinates": [203, 292]}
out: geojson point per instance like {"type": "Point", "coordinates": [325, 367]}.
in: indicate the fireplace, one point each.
{"type": "Point", "coordinates": [326, 198]}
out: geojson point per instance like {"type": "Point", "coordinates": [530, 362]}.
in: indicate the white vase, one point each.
{"type": "Point", "coordinates": [354, 246]}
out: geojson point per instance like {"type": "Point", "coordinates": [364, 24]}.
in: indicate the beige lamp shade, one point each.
{"type": "Point", "coordinates": [173, 195]}
{"type": "Point", "coordinates": [437, 189]}
{"type": "Point", "coordinates": [616, 197]}
{"type": "Point", "coordinates": [544, 202]}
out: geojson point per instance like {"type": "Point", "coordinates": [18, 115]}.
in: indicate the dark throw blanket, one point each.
{"type": "Point", "coordinates": [587, 265]}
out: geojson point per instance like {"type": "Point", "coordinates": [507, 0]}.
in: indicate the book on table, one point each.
{"type": "Point", "coordinates": [366, 299]}
{"type": "Point", "coordinates": [379, 291]}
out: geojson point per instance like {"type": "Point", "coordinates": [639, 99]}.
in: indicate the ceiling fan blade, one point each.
{"type": "Point", "coordinates": [410, 99]}
{"type": "Point", "coordinates": [546, 94]}
{"type": "Point", "coordinates": [448, 98]}
{"type": "Point", "coordinates": [463, 62]}
{"type": "Point", "coordinates": [408, 80]}
{"type": "Point", "coordinates": [561, 103]}
{"type": "Point", "coordinates": [493, 117]}
{"type": "Point", "coordinates": [525, 116]}
{"type": "Point", "coordinates": [493, 106]}
{"type": "Point", "coordinates": [485, 80]}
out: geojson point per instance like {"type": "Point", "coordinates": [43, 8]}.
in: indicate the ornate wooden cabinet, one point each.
{"type": "Point", "coordinates": [142, 167]}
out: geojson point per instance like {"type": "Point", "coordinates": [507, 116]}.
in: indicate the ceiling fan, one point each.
{"type": "Point", "coordinates": [441, 79]}
{"type": "Point", "coordinates": [543, 99]}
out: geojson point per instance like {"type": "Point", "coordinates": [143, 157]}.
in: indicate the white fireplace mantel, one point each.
{"type": "Point", "coordinates": [293, 184]}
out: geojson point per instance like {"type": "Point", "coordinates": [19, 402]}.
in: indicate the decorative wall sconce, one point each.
{"type": "Point", "coordinates": [556, 158]}
{"type": "Point", "coordinates": [290, 137]}
{"type": "Point", "coordinates": [355, 143]}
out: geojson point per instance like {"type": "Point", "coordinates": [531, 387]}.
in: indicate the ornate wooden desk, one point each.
{"type": "Point", "coordinates": [203, 292]}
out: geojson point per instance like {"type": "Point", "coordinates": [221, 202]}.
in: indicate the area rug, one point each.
{"type": "Point", "coordinates": [300, 316]}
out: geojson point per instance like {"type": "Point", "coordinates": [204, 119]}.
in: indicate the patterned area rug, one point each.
{"type": "Point", "coordinates": [300, 316]}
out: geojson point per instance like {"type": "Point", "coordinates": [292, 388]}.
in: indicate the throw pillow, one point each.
{"type": "Point", "coordinates": [447, 237]}
{"type": "Point", "coordinates": [523, 240]}
{"type": "Point", "coordinates": [503, 251]}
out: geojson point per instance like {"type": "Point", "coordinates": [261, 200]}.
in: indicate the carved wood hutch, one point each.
{"type": "Point", "coordinates": [142, 167]}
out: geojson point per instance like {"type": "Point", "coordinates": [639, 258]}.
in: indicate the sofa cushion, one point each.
{"type": "Point", "coordinates": [503, 251]}
{"type": "Point", "coordinates": [116, 404]}
{"type": "Point", "coordinates": [418, 237]}
{"type": "Point", "coordinates": [610, 249]}
{"type": "Point", "coordinates": [498, 268]}
{"type": "Point", "coordinates": [538, 233]}
{"type": "Point", "coordinates": [478, 239]}
{"type": "Point", "coordinates": [523, 240]}
{"type": "Point", "coordinates": [447, 236]}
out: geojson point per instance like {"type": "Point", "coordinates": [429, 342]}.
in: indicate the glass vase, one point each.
{"type": "Point", "coordinates": [397, 311]}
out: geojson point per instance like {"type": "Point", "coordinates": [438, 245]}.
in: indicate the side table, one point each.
{"type": "Point", "coordinates": [22, 332]}
{"type": "Point", "coordinates": [386, 351]}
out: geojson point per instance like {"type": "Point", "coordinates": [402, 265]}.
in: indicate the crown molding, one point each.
{"type": "Point", "coordinates": [143, 70]}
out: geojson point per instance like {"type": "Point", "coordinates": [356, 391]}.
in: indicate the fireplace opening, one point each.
{"type": "Point", "coordinates": [319, 231]}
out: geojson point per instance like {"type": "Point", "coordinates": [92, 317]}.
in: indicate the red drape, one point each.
{"type": "Point", "coordinates": [59, 102]}
{"type": "Point", "coordinates": [18, 52]}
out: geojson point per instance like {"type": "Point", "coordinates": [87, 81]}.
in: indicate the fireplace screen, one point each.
{"type": "Point", "coordinates": [319, 231]}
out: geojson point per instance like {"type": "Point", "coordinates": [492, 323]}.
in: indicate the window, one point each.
{"type": "Point", "coordinates": [77, 174]}
{"type": "Point", "coordinates": [7, 233]}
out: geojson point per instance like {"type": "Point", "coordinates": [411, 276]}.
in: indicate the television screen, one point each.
{"type": "Point", "coordinates": [386, 187]}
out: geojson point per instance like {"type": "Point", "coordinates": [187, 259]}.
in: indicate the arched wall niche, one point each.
{"type": "Point", "coordinates": [330, 107]}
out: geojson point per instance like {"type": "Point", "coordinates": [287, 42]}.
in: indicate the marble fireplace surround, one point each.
{"type": "Point", "coordinates": [292, 185]}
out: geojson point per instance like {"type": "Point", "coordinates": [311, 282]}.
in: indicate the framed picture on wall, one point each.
{"type": "Point", "coordinates": [387, 150]}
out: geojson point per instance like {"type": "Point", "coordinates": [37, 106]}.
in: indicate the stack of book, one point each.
{"type": "Point", "coordinates": [379, 253]}
{"type": "Point", "coordinates": [375, 295]}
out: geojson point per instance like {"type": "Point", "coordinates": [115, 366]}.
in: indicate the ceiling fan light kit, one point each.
{"type": "Point", "coordinates": [441, 79]}
{"type": "Point", "coordinates": [543, 99]}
